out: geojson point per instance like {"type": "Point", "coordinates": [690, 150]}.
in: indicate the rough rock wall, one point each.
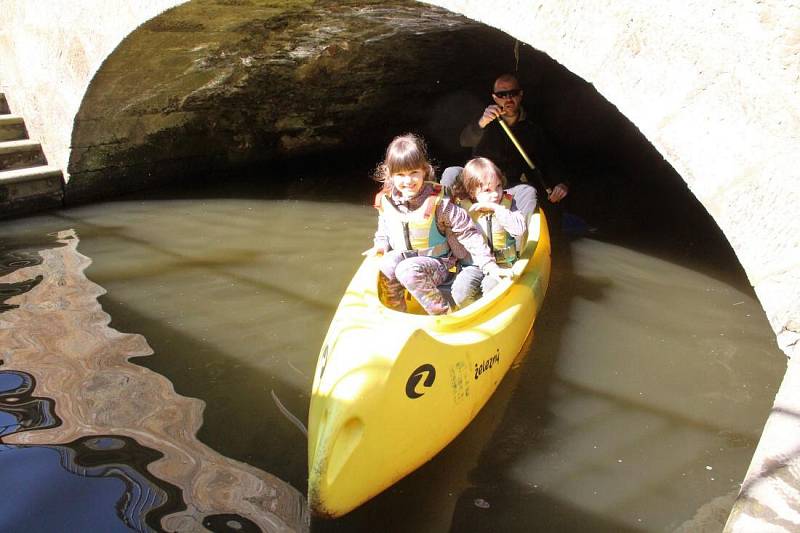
{"type": "Point", "coordinates": [213, 85]}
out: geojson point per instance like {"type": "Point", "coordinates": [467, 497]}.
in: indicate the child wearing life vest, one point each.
{"type": "Point", "coordinates": [481, 192]}
{"type": "Point", "coordinates": [414, 222]}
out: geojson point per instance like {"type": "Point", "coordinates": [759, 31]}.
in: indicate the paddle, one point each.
{"type": "Point", "coordinates": [524, 154]}
{"type": "Point", "coordinates": [574, 224]}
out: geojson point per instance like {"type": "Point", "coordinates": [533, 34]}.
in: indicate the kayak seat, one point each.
{"type": "Point", "coordinates": [413, 306]}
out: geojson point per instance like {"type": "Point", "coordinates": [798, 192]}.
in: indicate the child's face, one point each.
{"type": "Point", "coordinates": [408, 182]}
{"type": "Point", "coordinates": [490, 191]}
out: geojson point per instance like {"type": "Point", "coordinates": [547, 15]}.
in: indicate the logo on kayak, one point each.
{"type": "Point", "coordinates": [486, 365]}
{"type": "Point", "coordinates": [425, 370]}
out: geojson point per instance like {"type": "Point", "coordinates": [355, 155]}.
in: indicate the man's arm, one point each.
{"type": "Point", "coordinates": [471, 135]}
{"type": "Point", "coordinates": [555, 171]}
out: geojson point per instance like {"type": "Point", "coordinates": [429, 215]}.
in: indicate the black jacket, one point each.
{"type": "Point", "coordinates": [493, 143]}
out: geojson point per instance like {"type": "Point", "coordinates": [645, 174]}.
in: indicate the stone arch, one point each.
{"type": "Point", "coordinates": [245, 84]}
{"type": "Point", "coordinates": [713, 86]}
{"type": "Point", "coordinates": [51, 55]}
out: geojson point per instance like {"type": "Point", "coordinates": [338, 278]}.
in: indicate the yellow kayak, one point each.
{"type": "Point", "coordinates": [392, 389]}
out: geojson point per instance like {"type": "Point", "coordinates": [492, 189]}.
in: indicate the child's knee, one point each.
{"type": "Point", "coordinates": [408, 272]}
{"type": "Point", "coordinates": [388, 264]}
{"type": "Point", "coordinates": [467, 285]}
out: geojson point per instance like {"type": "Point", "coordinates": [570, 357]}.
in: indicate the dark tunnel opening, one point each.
{"type": "Point", "coordinates": [302, 99]}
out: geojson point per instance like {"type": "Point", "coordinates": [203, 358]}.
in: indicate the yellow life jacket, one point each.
{"type": "Point", "coordinates": [415, 230]}
{"type": "Point", "coordinates": [502, 243]}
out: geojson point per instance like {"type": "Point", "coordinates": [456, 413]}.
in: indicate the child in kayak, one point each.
{"type": "Point", "coordinates": [414, 222]}
{"type": "Point", "coordinates": [481, 192]}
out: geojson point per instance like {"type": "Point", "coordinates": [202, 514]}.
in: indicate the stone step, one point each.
{"type": "Point", "coordinates": [28, 190]}
{"type": "Point", "coordinates": [12, 128]}
{"type": "Point", "coordinates": [21, 154]}
{"type": "Point", "coordinates": [19, 175]}
{"type": "Point", "coordinates": [4, 110]}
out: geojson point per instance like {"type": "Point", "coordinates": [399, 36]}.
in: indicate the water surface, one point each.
{"type": "Point", "coordinates": [171, 326]}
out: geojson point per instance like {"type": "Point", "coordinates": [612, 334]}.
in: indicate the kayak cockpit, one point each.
{"type": "Point", "coordinates": [526, 251]}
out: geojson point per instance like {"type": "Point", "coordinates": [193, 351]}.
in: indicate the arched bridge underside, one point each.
{"type": "Point", "coordinates": [128, 94]}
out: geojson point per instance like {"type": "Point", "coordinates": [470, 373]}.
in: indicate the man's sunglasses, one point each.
{"type": "Point", "coordinates": [508, 94]}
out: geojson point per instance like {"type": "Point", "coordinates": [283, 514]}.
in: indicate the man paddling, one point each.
{"type": "Point", "coordinates": [488, 139]}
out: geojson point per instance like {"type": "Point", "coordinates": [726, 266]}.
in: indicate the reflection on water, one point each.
{"type": "Point", "coordinates": [60, 335]}
{"type": "Point", "coordinates": [140, 502]}
{"type": "Point", "coordinates": [636, 408]}
{"type": "Point", "coordinates": [101, 475]}
{"type": "Point", "coordinates": [16, 253]}
{"type": "Point", "coordinates": [19, 409]}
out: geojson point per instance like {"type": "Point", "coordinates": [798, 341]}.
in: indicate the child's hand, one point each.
{"type": "Point", "coordinates": [504, 273]}
{"type": "Point", "coordinates": [375, 250]}
{"type": "Point", "coordinates": [484, 206]}
{"type": "Point", "coordinates": [494, 271]}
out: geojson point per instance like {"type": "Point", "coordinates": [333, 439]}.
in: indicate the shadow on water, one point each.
{"type": "Point", "coordinates": [240, 419]}
{"type": "Point", "coordinates": [550, 464]}
{"type": "Point", "coordinates": [494, 502]}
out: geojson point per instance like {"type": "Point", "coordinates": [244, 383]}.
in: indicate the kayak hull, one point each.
{"type": "Point", "coordinates": [392, 389]}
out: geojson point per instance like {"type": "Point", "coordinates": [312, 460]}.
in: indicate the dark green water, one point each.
{"type": "Point", "coordinates": [636, 407]}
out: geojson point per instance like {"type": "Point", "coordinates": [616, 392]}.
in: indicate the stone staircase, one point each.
{"type": "Point", "coordinates": [27, 182]}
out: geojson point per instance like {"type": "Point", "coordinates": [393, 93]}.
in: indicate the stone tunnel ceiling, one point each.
{"type": "Point", "coordinates": [216, 88]}
{"type": "Point", "coordinates": [213, 86]}
{"type": "Point", "coordinates": [210, 84]}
